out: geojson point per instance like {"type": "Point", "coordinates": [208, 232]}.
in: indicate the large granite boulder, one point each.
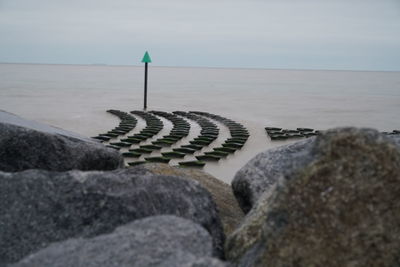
{"type": "Point", "coordinates": [340, 209]}
{"type": "Point", "coordinates": [228, 209]}
{"type": "Point", "coordinates": [32, 145]}
{"type": "Point", "coordinates": [262, 172]}
{"type": "Point", "coordinates": [153, 241]}
{"type": "Point", "coordinates": [38, 207]}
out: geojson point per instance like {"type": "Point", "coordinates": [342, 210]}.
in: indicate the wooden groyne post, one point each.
{"type": "Point", "coordinates": [146, 60]}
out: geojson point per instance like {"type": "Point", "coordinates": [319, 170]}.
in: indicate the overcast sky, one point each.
{"type": "Point", "coordinates": [299, 34]}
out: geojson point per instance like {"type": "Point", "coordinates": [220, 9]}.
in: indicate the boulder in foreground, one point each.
{"type": "Point", "coordinates": [153, 241]}
{"type": "Point", "coordinates": [228, 208]}
{"type": "Point", "coordinates": [38, 207]}
{"type": "Point", "coordinates": [262, 172]}
{"type": "Point", "coordinates": [340, 209]}
{"type": "Point", "coordinates": [32, 145]}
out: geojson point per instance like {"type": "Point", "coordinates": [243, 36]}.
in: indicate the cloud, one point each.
{"type": "Point", "coordinates": [236, 28]}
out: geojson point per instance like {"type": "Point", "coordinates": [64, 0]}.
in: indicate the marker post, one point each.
{"type": "Point", "coordinates": [146, 60]}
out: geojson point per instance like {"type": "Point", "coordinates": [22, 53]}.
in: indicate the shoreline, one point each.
{"type": "Point", "coordinates": [200, 67]}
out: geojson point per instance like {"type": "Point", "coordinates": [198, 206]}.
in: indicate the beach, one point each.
{"type": "Point", "coordinates": [76, 97]}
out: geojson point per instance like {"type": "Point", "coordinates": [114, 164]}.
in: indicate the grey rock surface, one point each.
{"type": "Point", "coordinates": [26, 148]}
{"type": "Point", "coordinates": [229, 211]}
{"type": "Point", "coordinates": [340, 209]}
{"type": "Point", "coordinates": [249, 232]}
{"type": "Point", "coordinates": [153, 241]}
{"type": "Point", "coordinates": [262, 172]}
{"type": "Point", "coordinates": [38, 207]}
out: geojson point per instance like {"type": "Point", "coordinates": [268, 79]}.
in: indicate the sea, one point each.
{"type": "Point", "coordinates": [76, 98]}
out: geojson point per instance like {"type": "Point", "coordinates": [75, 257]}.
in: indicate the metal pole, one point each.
{"type": "Point", "coordinates": [145, 86]}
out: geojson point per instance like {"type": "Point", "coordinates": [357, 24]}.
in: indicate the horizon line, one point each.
{"type": "Point", "coordinates": [195, 67]}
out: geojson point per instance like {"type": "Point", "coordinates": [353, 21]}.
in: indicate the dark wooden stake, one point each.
{"type": "Point", "coordinates": [145, 86]}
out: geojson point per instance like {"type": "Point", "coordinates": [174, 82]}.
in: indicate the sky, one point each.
{"type": "Point", "coordinates": [276, 34]}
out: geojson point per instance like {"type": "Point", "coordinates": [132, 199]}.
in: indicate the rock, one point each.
{"type": "Point", "coordinates": [38, 207]}
{"type": "Point", "coordinates": [28, 148]}
{"type": "Point", "coordinates": [341, 209]}
{"type": "Point", "coordinates": [249, 232]}
{"type": "Point", "coordinates": [229, 212]}
{"type": "Point", "coordinates": [153, 241]}
{"type": "Point", "coordinates": [260, 173]}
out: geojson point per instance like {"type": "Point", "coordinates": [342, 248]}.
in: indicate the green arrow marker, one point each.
{"type": "Point", "coordinates": [146, 59]}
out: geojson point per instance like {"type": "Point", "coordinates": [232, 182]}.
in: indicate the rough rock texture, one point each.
{"type": "Point", "coordinates": [38, 207]}
{"type": "Point", "coordinates": [24, 148]}
{"type": "Point", "coordinates": [260, 173]}
{"type": "Point", "coordinates": [249, 231]}
{"type": "Point", "coordinates": [342, 209]}
{"type": "Point", "coordinates": [229, 211]}
{"type": "Point", "coordinates": [153, 241]}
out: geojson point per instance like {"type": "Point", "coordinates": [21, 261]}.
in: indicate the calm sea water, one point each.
{"type": "Point", "coordinates": [75, 97]}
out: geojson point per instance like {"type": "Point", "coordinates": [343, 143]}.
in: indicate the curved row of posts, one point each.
{"type": "Point", "coordinates": [276, 133]}
{"type": "Point", "coordinates": [153, 126]}
{"type": "Point", "coordinates": [117, 138]}
{"type": "Point", "coordinates": [179, 130]}
{"type": "Point", "coordinates": [181, 127]}
{"type": "Point", "coordinates": [208, 133]}
{"type": "Point", "coordinates": [127, 124]}
{"type": "Point", "coordinates": [239, 135]}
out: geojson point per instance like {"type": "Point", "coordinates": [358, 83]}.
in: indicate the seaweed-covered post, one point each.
{"type": "Point", "coordinates": [146, 59]}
